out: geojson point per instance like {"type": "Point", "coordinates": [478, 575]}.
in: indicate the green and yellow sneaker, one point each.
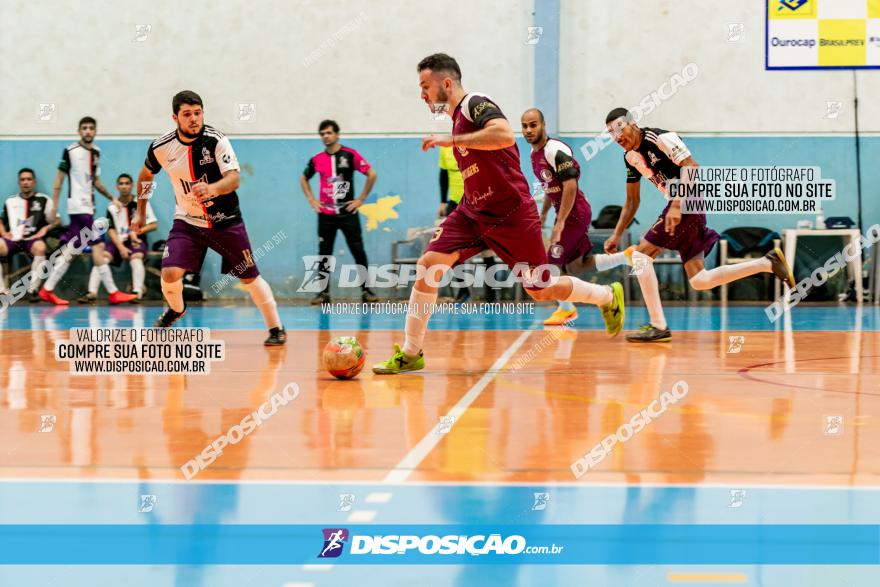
{"type": "Point", "coordinates": [400, 363]}
{"type": "Point", "coordinates": [613, 313]}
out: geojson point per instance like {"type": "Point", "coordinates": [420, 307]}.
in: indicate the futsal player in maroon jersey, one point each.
{"type": "Point", "coordinates": [497, 212]}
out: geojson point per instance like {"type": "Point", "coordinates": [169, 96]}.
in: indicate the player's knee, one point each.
{"type": "Point", "coordinates": [135, 256]}
{"type": "Point", "coordinates": [170, 274]}
{"type": "Point", "coordinates": [248, 280]}
{"type": "Point", "coordinates": [539, 294]}
{"type": "Point", "coordinates": [701, 281]}
{"type": "Point", "coordinates": [38, 249]}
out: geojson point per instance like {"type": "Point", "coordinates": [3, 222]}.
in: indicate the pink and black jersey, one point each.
{"type": "Point", "coordinates": [204, 160]}
{"type": "Point", "coordinates": [336, 172]}
{"type": "Point", "coordinates": [494, 184]}
{"type": "Point", "coordinates": [554, 164]}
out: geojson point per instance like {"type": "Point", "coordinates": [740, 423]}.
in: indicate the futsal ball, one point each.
{"type": "Point", "coordinates": [343, 357]}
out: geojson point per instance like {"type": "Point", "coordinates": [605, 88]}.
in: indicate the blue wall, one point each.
{"type": "Point", "coordinates": [272, 201]}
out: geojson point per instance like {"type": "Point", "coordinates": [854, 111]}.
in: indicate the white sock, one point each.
{"type": "Point", "coordinates": [709, 278]}
{"type": "Point", "coordinates": [650, 288]}
{"type": "Point", "coordinates": [421, 304]}
{"type": "Point", "coordinates": [566, 306]}
{"type": "Point", "coordinates": [94, 280]}
{"type": "Point", "coordinates": [58, 271]}
{"type": "Point", "coordinates": [107, 278]}
{"type": "Point", "coordinates": [173, 292]}
{"type": "Point", "coordinates": [262, 296]}
{"type": "Point", "coordinates": [606, 262]}
{"type": "Point", "coordinates": [588, 293]}
{"type": "Point", "coordinates": [138, 274]}
{"type": "Point", "coordinates": [36, 269]}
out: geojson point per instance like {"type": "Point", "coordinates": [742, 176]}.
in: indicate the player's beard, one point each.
{"type": "Point", "coordinates": [187, 134]}
{"type": "Point", "coordinates": [442, 103]}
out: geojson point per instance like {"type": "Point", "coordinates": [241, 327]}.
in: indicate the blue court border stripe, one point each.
{"type": "Point", "coordinates": [626, 544]}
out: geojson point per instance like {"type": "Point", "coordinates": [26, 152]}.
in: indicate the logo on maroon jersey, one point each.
{"type": "Point", "coordinates": [546, 174]}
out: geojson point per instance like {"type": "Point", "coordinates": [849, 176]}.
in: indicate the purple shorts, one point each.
{"type": "Point", "coordinates": [692, 237]}
{"type": "Point", "coordinates": [516, 238]}
{"type": "Point", "coordinates": [73, 231]}
{"type": "Point", "coordinates": [575, 241]}
{"type": "Point", "coordinates": [22, 246]}
{"type": "Point", "coordinates": [187, 246]}
{"type": "Point", "coordinates": [117, 258]}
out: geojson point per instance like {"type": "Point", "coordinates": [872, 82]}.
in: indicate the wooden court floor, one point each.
{"type": "Point", "coordinates": [526, 405]}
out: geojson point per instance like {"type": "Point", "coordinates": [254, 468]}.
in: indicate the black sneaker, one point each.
{"type": "Point", "coordinates": [780, 267]}
{"type": "Point", "coordinates": [368, 297]}
{"type": "Point", "coordinates": [168, 318]}
{"type": "Point", "coordinates": [277, 337]}
{"type": "Point", "coordinates": [33, 297]}
{"type": "Point", "coordinates": [648, 333]}
{"type": "Point", "coordinates": [321, 298]}
{"type": "Point", "coordinates": [88, 298]}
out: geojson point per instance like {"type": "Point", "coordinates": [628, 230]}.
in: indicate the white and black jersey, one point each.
{"type": "Point", "coordinates": [205, 159]}
{"type": "Point", "coordinates": [82, 166]}
{"type": "Point", "coordinates": [23, 217]}
{"type": "Point", "coordinates": [120, 218]}
{"type": "Point", "coordinates": [658, 158]}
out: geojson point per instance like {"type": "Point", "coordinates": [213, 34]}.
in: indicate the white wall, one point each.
{"type": "Point", "coordinates": [612, 54]}
{"type": "Point", "coordinates": [298, 61]}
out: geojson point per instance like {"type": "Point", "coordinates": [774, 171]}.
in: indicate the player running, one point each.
{"type": "Point", "coordinates": [497, 212]}
{"type": "Point", "coordinates": [659, 156]}
{"type": "Point", "coordinates": [570, 248]}
{"type": "Point", "coordinates": [204, 173]}
{"type": "Point", "coordinates": [81, 166]}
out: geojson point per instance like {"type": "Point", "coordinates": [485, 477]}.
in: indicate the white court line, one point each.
{"type": "Point", "coordinates": [362, 516]}
{"type": "Point", "coordinates": [378, 497]}
{"type": "Point", "coordinates": [344, 483]}
{"type": "Point", "coordinates": [417, 454]}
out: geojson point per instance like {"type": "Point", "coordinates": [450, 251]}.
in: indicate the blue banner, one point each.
{"type": "Point", "coordinates": [629, 544]}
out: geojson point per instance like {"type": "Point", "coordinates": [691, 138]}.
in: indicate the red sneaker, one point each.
{"type": "Point", "coordinates": [49, 296]}
{"type": "Point", "coordinates": [117, 297]}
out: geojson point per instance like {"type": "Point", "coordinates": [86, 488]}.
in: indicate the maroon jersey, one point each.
{"type": "Point", "coordinates": [554, 164]}
{"type": "Point", "coordinates": [493, 181]}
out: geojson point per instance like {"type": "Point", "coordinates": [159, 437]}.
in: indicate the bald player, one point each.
{"type": "Point", "coordinates": [659, 155]}
{"type": "Point", "coordinates": [553, 163]}
{"type": "Point", "coordinates": [497, 212]}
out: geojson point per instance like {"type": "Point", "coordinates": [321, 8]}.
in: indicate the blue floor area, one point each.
{"type": "Point", "coordinates": [244, 316]}
{"type": "Point", "coordinates": [704, 530]}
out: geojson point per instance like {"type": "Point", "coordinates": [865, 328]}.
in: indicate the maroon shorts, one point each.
{"type": "Point", "coordinates": [187, 246]}
{"type": "Point", "coordinates": [516, 238]}
{"type": "Point", "coordinates": [575, 241]}
{"type": "Point", "coordinates": [117, 257]}
{"type": "Point", "coordinates": [692, 237]}
{"type": "Point", "coordinates": [73, 231]}
{"type": "Point", "coordinates": [22, 246]}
